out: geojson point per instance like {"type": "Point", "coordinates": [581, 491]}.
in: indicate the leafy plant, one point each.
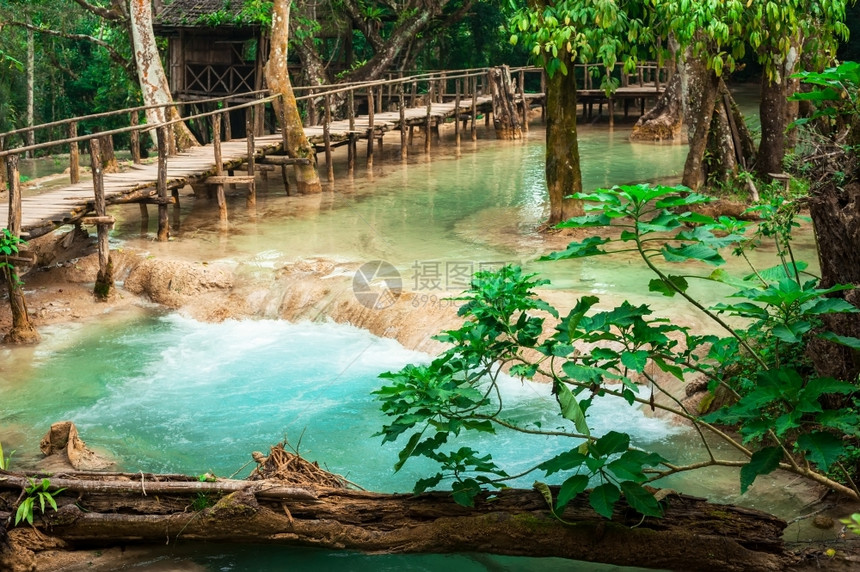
{"type": "Point", "coordinates": [594, 353]}
{"type": "Point", "coordinates": [36, 492]}
{"type": "Point", "coordinates": [9, 246]}
{"type": "Point", "coordinates": [852, 523]}
{"type": "Point", "coordinates": [5, 461]}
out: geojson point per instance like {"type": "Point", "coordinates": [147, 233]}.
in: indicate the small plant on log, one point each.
{"type": "Point", "coordinates": [9, 245]}
{"type": "Point", "coordinates": [5, 461]}
{"type": "Point", "coordinates": [36, 492]}
{"type": "Point", "coordinates": [775, 397]}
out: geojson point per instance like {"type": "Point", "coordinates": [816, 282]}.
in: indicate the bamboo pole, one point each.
{"type": "Point", "coordinates": [369, 127]}
{"type": "Point", "coordinates": [135, 139]}
{"type": "Point", "coordinates": [104, 280]}
{"type": "Point", "coordinates": [161, 184]}
{"type": "Point", "coordinates": [327, 138]}
{"type": "Point", "coordinates": [251, 150]}
{"type": "Point", "coordinates": [74, 155]}
{"type": "Point", "coordinates": [219, 167]}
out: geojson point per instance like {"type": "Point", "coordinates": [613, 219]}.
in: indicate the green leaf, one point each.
{"type": "Point", "coordinates": [570, 408]}
{"type": "Point", "coordinates": [563, 462]}
{"type": "Point", "coordinates": [588, 247]}
{"type": "Point", "coordinates": [640, 499]}
{"type": "Point", "coordinates": [603, 498]}
{"type": "Point", "coordinates": [464, 492]}
{"type": "Point", "coordinates": [762, 462]}
{"type": "Point", "coordinates": [635, 360]}
{"type": "Point", "coordinates": [822, 448]}
{"type": "Point", "coordinates": [406, 452]}
{"type": "Point", "coordinates": [428, 483]}
{"type": "Point", "coordinates": [692, 252]}
{"type": "Point", "coordinates": [569, 489]}
{"type": "Point", "coordinates": [853, 343]}
{"type": "Point", "coordinates": [612, 442]}
{"type": "Point", "coordinates": [668, 287]}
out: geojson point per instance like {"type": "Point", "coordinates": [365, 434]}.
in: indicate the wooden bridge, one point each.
{"type": "Point", "coordinates": [371, 109]}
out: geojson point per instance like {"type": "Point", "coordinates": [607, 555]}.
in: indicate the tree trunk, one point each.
{"type": "Point", "coordinates": [22, 331]}
{"type": "Point", "coordinates": [773, 111]}
{"type": "Point", "coordinates": [835, 213]}
{"type": "Point", "coordinates": [664, 121]}
{"type": "Point", "coordinates": [702, 89]}
{"type": "Point", "coordinates": [506, 120]}
{"type": "Point", "coordinates": [563, 173]}
{"type": "Point", "coordinates": [278, 79]}
{"type": "Point", "coordinates": [693, 535]}
{"type": "Point", "coordinates": [31, 88]}
{"type": "Point", "coordinates": [153, 81]}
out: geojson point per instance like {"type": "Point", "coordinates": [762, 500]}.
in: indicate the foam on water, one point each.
{"type": "Point", "coordinates": [175, 395]}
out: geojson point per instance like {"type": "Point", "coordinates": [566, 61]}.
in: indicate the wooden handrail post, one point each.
{"type": "Point", "coordinates": [350, 145]}
{"type": "Point", "coordinates": [414, 95]}
{"type": "Point", "coordinates": [369, 127]}
{"type": "Point", "coordinates": [428, 119]}
{"type": "Point", "coordinates": [2, 165]}
{"type": "Point", "coordinates": [228, 123]}
{"type": "Point", "coordinates": [379, 99]}
{"type": "Point", "coordinates": [163, 134]}
{"type": "Point", "coordinates": [457, 112]}
{"type": "Point", "coordinates": [104, 279]}
{"type": "Point", "coordinates": [135, 138]}
{"type": "Point", "coordinates": [251, 149]}
{"type": "Point", "coordinates": [327, 138]}
{"type": "Point", "coordinates": [474, 108]}
{"type": "Point", "coordinates": [74, 155]}
{"type": "Point", "coordinates": [402, 105]}
{"type": "Point", "coordinates": [543, 99]}
{"type": "Point", "coordinates": [524, 101]}
{"type": "Point", "coordinates": [219, 166]}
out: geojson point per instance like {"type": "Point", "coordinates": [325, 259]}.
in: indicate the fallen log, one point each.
{"type": "Point", "coordinates": [98, 512]}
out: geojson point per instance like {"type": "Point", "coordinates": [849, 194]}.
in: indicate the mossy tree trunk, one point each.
{"type": "Point", "coordinates": [278, 80]}
{"type": "Point", "coordinates": [563, 172]}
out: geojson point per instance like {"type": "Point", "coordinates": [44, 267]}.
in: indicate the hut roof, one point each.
{"type": "Point", "coordinates": [200, 14]}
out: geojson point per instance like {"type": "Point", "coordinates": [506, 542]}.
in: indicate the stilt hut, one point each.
{"type": "Point", "coordinates": [213, 48]}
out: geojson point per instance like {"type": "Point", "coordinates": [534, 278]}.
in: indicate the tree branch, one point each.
{"type": "Point", "coordinates": [113, 14]}
{"type": "Point", "coordinates": [118, 58]}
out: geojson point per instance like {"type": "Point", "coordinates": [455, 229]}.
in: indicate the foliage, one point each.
{"type": "Point", "coordinates": [836, 92]}
{"type": "Point", "coordinates": [852, 523]}
{"type": "Point", "coordinates": [594, 352]}
{"type": "Point", "coordinates": [5, 461]}
{"type": "Point", "coordinates": [36, 492]}
{"type": "Point", "coordinates": [9, 244]}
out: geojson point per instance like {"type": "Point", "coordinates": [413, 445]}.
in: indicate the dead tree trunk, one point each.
{"type": "Point", "coordinates": [505, 117]}
{"type": "Point", "coordinates": [296, 144]}
{"type": "Point", "coordinates": [664, 121]}
{"type": "Point", "coordinates": [121, 508]}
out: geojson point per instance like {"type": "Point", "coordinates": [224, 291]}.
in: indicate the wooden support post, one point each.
{"type": "Point", "coordinates": [171, 140]}
{"type": "Point", "coordinates": [251, 150]}
{"type": "Point", "coordinates": [428, 119]}
{"type": "Point", "coordinates": [163, 134]}
{"type": "Point", "coordinates": [228, 123]}
{"type": "Point", "coordinates": [2, 165]}
{"type": "Point", "coordinates": [414, 94]}
{"type": "Point", "coordinates": [611, 112]}
{"type": "Point", "coordinates": [135, 138]}
{"type": "Point", "coordinates": [523, 100]}
{"type": "Point", "coordinates": [284, 174]}
{"type": "Point", "coordinates": [351, 138]}
{"type": "Point", "coordinates": [457, 112]}
{"type": "Point", "coordinates": [443, 87]}
{"type": "Point", "coordinates": [327, 138]}
{"type": "Point", "coordinates": [104, 278]}
{"type": "Point", "coordinates": [22, 331]}
{"type": "Point", "coordinates": [74, 155]}
{"type": "Point", "coordinates": [379, 99]}
{"type": "Point", "coordinates": [144, 219]}
{"type": "Point", "coordinates": [474, 108]}
{"type": "Point", "coordinates": [543, 99]}
{"type": "Point", "coordinates": [402, 106]}
{"type": "Point", "coordinates": [176, 208]}
{"type": "Point", "coordinates": [370, 110]}
{"type": "Point", "coordinates": [219, 166]}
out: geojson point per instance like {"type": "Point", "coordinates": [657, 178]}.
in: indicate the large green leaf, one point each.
{"type": "Point", "coordinates": [563, 462]}
{"type": "Point", "coordinates": [853, 343]}
{"type": "Point", "coordinates": [570, 408]}
{"type": "Point", "coordinates": [762, 462]}
{"type": "Point", "coordinates": [668, 287]}
{"type": "Point", "coordinates": [640, 499]}
{"type": "Point", "coordinates": [822, 448]}
{"type": "Point", "coordinates": [569, 489]}
{"type": "Point", "coordinates": [611, 443]}
{"type": "Point", "coordinates": [603, 498]}
{"type": "Point", "coordinates": [588, 247]}
{"type": "Point", "coordinates": [693, 251]}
